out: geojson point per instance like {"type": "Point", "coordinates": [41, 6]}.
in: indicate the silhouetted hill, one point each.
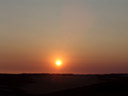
{"type": "Point", "coordinates": [63, 85]}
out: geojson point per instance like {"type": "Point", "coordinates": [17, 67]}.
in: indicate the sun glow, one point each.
{"type": "Point", "coordinates": [58, 63]}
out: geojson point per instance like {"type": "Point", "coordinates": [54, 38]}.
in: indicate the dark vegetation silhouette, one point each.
{"type": "Point", "coordinates": [63, 85]}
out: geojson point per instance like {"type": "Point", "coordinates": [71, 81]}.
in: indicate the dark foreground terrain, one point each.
{"type": "Point", "coordinates": [63, 85]}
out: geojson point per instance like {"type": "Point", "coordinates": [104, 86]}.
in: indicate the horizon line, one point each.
{"type": "Point", "coordinates": [62, 74]}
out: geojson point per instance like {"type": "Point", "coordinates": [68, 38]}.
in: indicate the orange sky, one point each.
{"type": "Point", "coordinates": [89, 36]}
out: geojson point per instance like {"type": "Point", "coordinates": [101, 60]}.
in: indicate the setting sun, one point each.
{"type": "Point", "coordinates": [58, 63]}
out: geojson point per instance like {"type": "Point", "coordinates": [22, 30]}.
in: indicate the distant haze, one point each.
{"type": "Point", "coordinates": [89, 36]}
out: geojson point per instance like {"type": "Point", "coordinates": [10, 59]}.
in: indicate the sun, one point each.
{"type": "Point", "coordinates": [58, 62]}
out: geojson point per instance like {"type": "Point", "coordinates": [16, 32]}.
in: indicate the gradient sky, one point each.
{"type": "Point", "coordinates": [89, 36]}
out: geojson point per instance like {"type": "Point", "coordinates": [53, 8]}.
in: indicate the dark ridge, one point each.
{"type": "Point", "coordinates": [110, 74]}
{"type": "Point", "coordinates": [36, 74]}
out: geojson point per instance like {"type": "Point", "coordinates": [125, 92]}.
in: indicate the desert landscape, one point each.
{"type": "Point", "coordinates": [63, 47]}
{"type": "Point", "coordinates": [63, 85]}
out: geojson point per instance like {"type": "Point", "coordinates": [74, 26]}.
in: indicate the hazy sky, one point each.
{"type": "Point", "coordinates": [89, 36]}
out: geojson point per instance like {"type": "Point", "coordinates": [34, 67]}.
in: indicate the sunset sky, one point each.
{"type": "Point", "coordinates": [88, 36]}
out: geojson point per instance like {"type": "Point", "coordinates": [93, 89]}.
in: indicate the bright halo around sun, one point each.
{"type": "Point", "coordinates": [58, 62]}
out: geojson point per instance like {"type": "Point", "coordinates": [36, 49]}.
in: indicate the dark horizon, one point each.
{"type": "Point", "coordinates": [63, 85]}
{"type": "Point", "coordinates": [61, 74]}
